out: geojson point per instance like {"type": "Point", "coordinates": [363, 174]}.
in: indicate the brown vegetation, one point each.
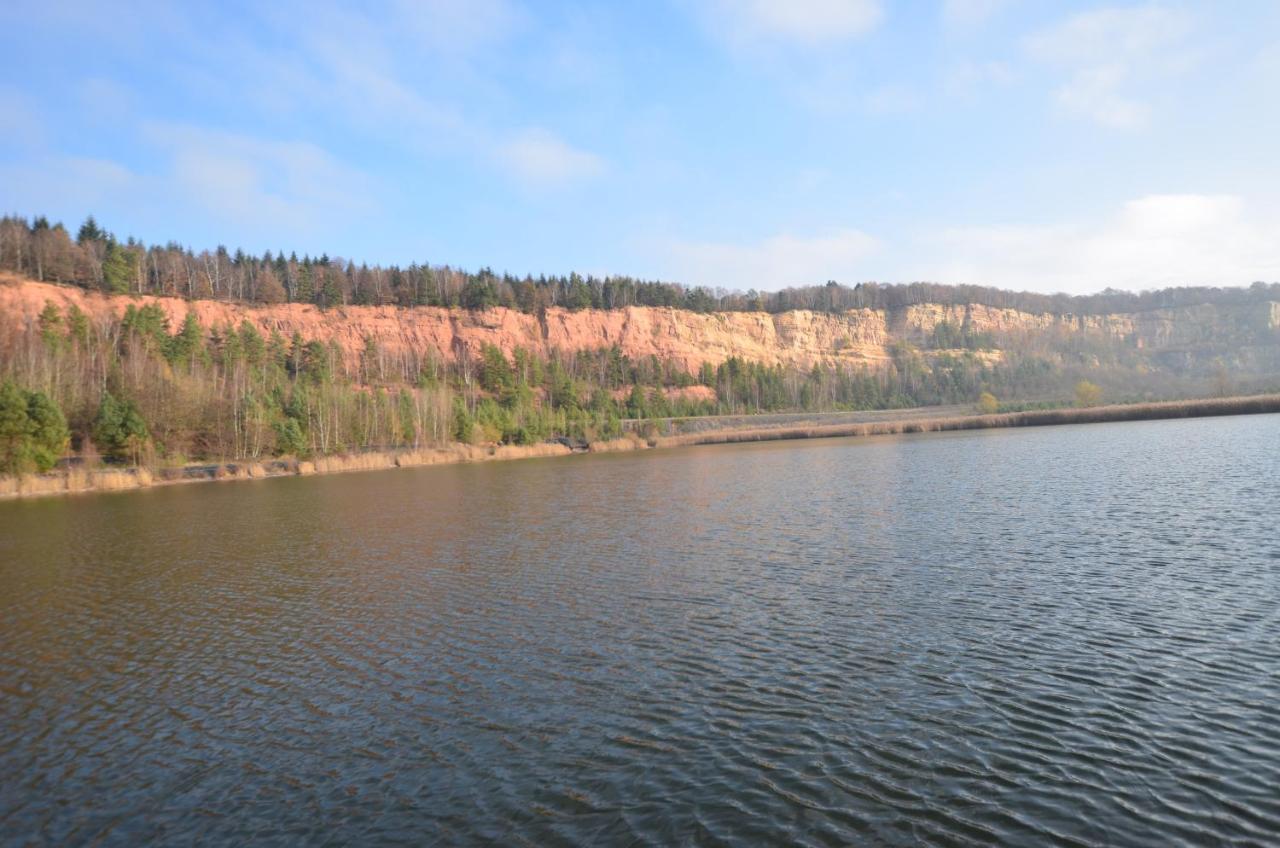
{"type": "Point", "coordinates": [75, 481]}
{"type": "Point", "coordinates": [408, 338]}
{"type": "Point", "coordinates": [1037, 418]}
{"type": "Point", "coordinates": [146, 380]}
{"type": "Point", "coordinates": [96, 259]}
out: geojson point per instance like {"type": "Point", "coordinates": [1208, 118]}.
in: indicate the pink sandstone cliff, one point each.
{"type": "Point", "coordinates": [688, 338]}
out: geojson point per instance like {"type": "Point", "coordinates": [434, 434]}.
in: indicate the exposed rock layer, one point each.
{"type": "Point", "coordinates": [689, 338]}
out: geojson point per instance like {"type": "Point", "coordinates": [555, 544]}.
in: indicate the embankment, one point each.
{"type": "Point", "coordinates": [1037, 418]}
{"type": "Point", "coordinates": [79, 480]}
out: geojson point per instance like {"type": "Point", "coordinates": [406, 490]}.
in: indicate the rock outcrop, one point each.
{"type": "Point", "coordinates": [688, 338]}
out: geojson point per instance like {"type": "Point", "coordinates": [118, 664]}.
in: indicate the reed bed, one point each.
{"type": "Point", "coordinates": [120, 479]}
{"type": "Point", "coordinates": [74, 481]}
{"type": "Point", "coordinates": [1033, 418]}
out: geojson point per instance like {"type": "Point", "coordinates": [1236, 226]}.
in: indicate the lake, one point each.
{"type": "Point", "coordinates": [1064, 635]}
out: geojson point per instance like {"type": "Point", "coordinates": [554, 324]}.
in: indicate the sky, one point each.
{"type": "Point", "coordinates": [1026, 144]}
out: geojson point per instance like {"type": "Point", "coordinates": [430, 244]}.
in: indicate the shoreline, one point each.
{"type": "Point", "coordinates": [82, 481]}
{"type": "Point", "coordinates": [1156, 411]}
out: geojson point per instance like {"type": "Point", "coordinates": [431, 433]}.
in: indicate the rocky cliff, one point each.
{"type": "Point", "coordinates": [689, 338]}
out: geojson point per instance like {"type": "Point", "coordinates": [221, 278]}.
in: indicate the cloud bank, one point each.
{"type": "Point", "coordinates": [1151, 242]}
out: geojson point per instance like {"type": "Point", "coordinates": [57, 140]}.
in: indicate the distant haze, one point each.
{"type": "Point", "coordinates": [1051, 146]}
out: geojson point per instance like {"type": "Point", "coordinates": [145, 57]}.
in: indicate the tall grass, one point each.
{"type": "Point", "coordinates": [78, 480]}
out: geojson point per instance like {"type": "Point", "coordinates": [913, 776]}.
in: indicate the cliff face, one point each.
{"type": "Point", "coordinates": [689, 338]}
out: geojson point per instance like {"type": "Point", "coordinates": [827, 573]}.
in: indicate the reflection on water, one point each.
{"type": "Point", "coordinates": [1065, 634]}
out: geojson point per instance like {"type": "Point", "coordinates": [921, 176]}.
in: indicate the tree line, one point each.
{"type": "Point", "coordinates": [134, 389]}
{"type": "Point", "coordinates": [96, 259]}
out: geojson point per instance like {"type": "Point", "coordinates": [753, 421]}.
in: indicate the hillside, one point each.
{"type": "Point", "coordinates": [146, 378]}
{"type": "Point", "coordinates": [1242, 337]}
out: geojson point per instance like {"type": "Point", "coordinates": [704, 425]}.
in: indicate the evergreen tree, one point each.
{"type": "Point", "coordinates": [48, 429]}
{"type": "Point", "coordinates": [33, 431]}
{"type": "Point", "coordinates": [306, 291]}
{"type": "Point", "coordinates": [479, 293]}
{"type": "Point", "coordinates": [636, 403]}
{"type": "Point", "coordinates": [118, 428]}
{"type": "Point", "coordinates": [463, 424]}
{"type": "Point", "coordinates": [117, 269]}
{"type": "Point", "coordinates": [331, 295]}
{"type": "Point", "coordinates": [51, 327]}
{"type": "Point", "coordinates": [289, 437]}
{"type": "Point", "coordinates": [77, 325]}
{"type": "Point", "coordinates": [15, 428]}
{"type": "Point", "coordinates": [495, 371]}
{"type": "Point", "coordinates": [185, 347]}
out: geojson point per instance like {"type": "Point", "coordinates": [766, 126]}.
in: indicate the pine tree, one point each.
{"type": "Point", "coordinates": [332, 293]}
{"type": "Point", "coordinates": [636, 403]}
{"type": "Point", "coordinates": [185, 345]}
{"type": "Point", "coordinates": [51, 327]}
{"type": "Point", "coordinates": [289, 437]}
{"type": "Point", "coordinates": [48, 428]}
{"type": "Point", "coordinates": [33, 431]}
{"type": "Point", "coordinates": [77, 325]}
{"type": "Point", "coordinates": [117, 269]}
{"type": "Point", "coordinates": [89, 231]}
{"type": "Point", "coordinates": [119, 428]}
{"type": "Point", "coordinates": [15, 428]}
{"type": "Point", "coordinates": [306, 284]}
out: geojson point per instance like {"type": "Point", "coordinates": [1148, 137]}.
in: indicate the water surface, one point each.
{"type": "Point", "coordinates": [1066, 635]}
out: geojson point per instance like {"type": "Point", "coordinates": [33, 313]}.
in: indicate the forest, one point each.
{"type": "Point", "coordinates": [133, 390]}
{"type": "Point", "coordinates": [96, 259]}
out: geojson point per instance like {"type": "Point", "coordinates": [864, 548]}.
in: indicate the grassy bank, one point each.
{"type": "Point", "coordinates": [118, 479]}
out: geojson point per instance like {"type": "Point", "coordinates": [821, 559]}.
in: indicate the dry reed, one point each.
{"type": "Point", "coordinates": [118, 479]}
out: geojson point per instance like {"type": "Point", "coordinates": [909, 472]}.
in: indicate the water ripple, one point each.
{"type": "Point", "coordinates": [1066, 636]}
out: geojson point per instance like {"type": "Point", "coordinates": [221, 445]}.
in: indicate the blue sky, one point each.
{"type": "Point", "coordinates": [1029, 144]}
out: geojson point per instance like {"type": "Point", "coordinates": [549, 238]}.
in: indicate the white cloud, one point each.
{"type": "Point", "coordinates": [803, 22]}
{"type": "Point", "coordinates": [347, 60]}
{"type": "Point", "coordinates": [248, 190]}
{"type": "Point", "coordinates": [805, 46]}
{"type": "Point", "coordinates": [1108, 55]}
{"type": "Point", "coordinates": [540, 159]}
{"type": "Point", "coordinates": [970, 13]}
{"type": "Point", "coordinates": [1152, 242]}
{"type": "Point", "coordinates": [892, 100]}
{"type": "Point", "coordinates": [457, 25]}
{"type": "Point", "coordinates": [773, 263]}
{"type": "Point", "coordinates": [1095, 93]}
{"type": "Point", "coordinates": [965, 79]}
{"type": "Point", "coordinates": [1103, 36]}
{"type": "Point", "coordinates": [284, 185]}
